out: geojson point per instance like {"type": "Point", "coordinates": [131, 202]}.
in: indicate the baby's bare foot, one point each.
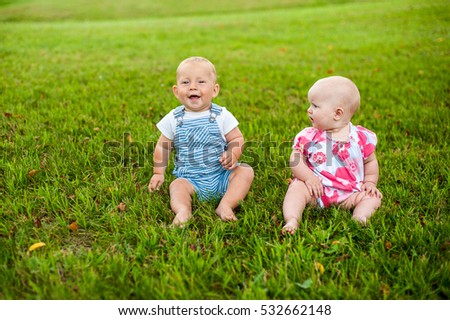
{"type": "Point", "coordinates": [290, 227]}
{"type": "Point", "coordinates": [225, 213]}
{"type": "Point", "coordinates": [181, 218]}
{"type": "Point", "coordinates": [362, 220]}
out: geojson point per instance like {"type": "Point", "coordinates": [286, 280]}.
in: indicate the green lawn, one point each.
{"type": "Point", "coordinates": [82, 86]}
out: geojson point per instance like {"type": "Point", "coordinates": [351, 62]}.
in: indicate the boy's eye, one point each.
{"type": "Point", "coordinates": [202, 81]}
{"type": "Point", "coordinates": [184, 82]}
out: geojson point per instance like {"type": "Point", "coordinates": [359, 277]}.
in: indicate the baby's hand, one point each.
{"type": "Point", "coordinates": [228, 160]}
{"type": "Point", "coordinates": [315, 186]}
{"type": "Point", "coordinates": [371, 189]}
{"type": "Point", "coordinates": [155, 182]}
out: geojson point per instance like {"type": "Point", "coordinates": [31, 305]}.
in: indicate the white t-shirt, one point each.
{"type": "Point", "coordinates": [225, 120]}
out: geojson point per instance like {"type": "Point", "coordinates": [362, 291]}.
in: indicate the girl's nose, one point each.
{"type": "Point", "coordinates": [309, 111]}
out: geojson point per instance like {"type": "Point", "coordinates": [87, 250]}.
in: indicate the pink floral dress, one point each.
{"type": "Point", "coordinates": [340, 165]}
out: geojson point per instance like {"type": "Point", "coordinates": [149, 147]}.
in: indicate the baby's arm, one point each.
{"type": "Point", "coordinates": [235, 147]}
{"type": "Point", "coordinates": [160, 160]}
{"type": "Point", "coordinates": [371, 172]}
{"type": "Point", "coordinates": [301, 171]}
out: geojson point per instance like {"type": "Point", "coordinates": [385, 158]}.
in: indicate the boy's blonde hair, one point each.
{"type": "Point", "coordinates": [199, 60]}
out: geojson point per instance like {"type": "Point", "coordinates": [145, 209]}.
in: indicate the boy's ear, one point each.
{"type": "Point", "coordinates": [338, 113]}
{"type": "Point", "coordinates": [216, 90]}
{"type": "Point", "coordinates": [175, 90]}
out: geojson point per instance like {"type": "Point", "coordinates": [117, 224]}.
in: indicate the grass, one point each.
{"type": "Point", "coordinates": [44, 10]}
{"type": "Point", "coordinates": [81, 92]}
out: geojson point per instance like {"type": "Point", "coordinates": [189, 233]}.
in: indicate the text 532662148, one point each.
{"type": "Point", "coordinates": [295, 310]}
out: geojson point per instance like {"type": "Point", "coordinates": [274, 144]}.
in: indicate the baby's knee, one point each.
{"type": "Point", "coordinates": [300, 190]}
{"type": "Point", "coordinates": [175, 184]}
{"type": "Point", "coordinates": [249, 173]}
{"type": "Point", "coordinates": [298, 186]}
{"type": "Point", "coordinates": [377, 203]}
{"type": "Point", "coordinates": [180, 184]}
{"type": "Point", "coordinates": [245, 171]}
{"type": "Point", "coordinates": [374, 201]}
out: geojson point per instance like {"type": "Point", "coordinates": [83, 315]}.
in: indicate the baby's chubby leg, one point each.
{"type": "Point", "coordinates": [240, 181]}
{"type": "Point", "coordinates": [295, 201]}
{"type": "Point", "coordinates": [364, 205]}
{"type": "Point", "coordinates": [181, 191]}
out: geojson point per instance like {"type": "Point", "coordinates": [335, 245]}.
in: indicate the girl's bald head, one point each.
{"type": "Point", "coordinates": [341, 90]}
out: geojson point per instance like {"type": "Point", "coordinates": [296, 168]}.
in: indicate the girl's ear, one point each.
{"type": "Point", "coordinates": [338, 113]}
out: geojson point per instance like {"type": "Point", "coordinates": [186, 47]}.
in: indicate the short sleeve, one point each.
{"type": "Point", "coordinates": [167, 125]}
{"type": "Point", "coordinates": [228, 121]}
{"type": "Point", "coordinates": [367, 141]}
{"type": "Point", "coordinates": [303, 139]}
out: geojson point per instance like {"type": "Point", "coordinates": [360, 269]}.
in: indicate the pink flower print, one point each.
{"type": "Point", "coordinates": [302, 144]}
{"type": "Point", "coordinates": [368, 150]}
{"type": "Point", "coordinates": [319, 138]}
{"type": "Point", "coordinates": [328, 199]}
{"type": "Point", "coordinates": [298, 146]}
{"type": "Point", "coordinates": [352, 166]}
{"type": "Point", "coordinates": [343, 173]}
{"type": "Point", "coordinates": [319, 157]}
{"type": "Point", "coordinates": [343, 179]}
{"type": "Point", "coordinates": [341, 150]}
{"type": "Point", "coordinates": [367, 141]}
{"type": "Point", "coordinates": [362, 138]}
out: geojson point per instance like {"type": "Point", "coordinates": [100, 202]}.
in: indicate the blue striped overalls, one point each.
{"type": "Point", "coordinates": [199, 145]}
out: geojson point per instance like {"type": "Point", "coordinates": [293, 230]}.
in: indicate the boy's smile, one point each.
{"type": "Point", "coordinates": [194, 97]}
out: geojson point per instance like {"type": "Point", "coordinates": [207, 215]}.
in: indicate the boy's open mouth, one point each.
{"type": "Point", "coordinates": [194, 96]}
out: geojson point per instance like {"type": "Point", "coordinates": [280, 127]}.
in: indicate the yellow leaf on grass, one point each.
{"type": "Point", "coordinates": [385, 290]}
{"type": "Point", "coordinates": [36, 246]}
{"type": "Point", "coordinates": [388, 245]}
{"type": "Point", "coordinates": [33, 172]}
{"type": "Point", "coordinates": [319, 267]}
{"type": "Point", "coordinates": [129, 138]}
{"type": "Point", "coordinates": [73, 226]}
{"type": "Point", "coordinates": [122, 207]}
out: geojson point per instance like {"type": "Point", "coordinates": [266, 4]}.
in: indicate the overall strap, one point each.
{"type": "Point", "coordinates": [214, 112]}
{"type": "Point", "coordinates": [178, 114]}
